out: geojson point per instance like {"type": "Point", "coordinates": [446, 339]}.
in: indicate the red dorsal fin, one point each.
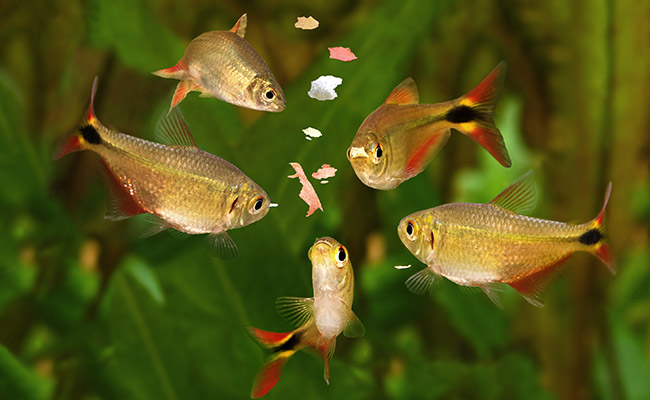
{"type": "Point", "coordinates": [520, 197]}
{"type": "Point", "coordinates": [171, 129]}
{"type": "Point", "coordinates": [240, 26]}
{"type": "Point", "coordinates": [533, 286]}
{"type": "Point", "coordinates": [404, 93]}
{"type": "Point", "coordinates": [182, 89]}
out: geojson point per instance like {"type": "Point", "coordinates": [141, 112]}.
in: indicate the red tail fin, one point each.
{"type": "Point", "coordinates": [76, 141]}
{"type": "Point", "coordinates": [281, 347]}
{"type": "Point", "coordinates": [474, 114]}
{"type": "Point", "coordinates": [602, 249]}
{"type": "Point", "coordinates": [178, 71]}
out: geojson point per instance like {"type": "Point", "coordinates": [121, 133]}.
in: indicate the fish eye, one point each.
{"type": "Point", "coordinates": [257, 204]}
{"type": "Point", "coordinates": [377, 152]}
{"type": "Point", "coordinates": [348, 154]}
{"type": "Point", "coordinates": [341, 256]}
{"type": "Point", "coordinates": [410, 230]}
{"type": "Point", "coordinates": [270, 94]}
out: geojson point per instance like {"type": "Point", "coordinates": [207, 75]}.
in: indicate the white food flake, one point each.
{"type": "Point", "coordinates": [306, 23]}
{"type": "Point", "coordinates": [403, 266]}
{"type": "Point", "coordinates": [324, 182]}
{"type": "Point", "coordinates": [313, 132]}
{"type": "Point", "coordinates": [323, 88]}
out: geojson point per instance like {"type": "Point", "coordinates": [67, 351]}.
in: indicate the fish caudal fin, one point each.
{"type": "Point", "coordinates": [595, 236]}
{"type": "Point", "coordinates": [178, 71]}
{"type": "Point", "coordinates": [87, 132]}
{"type": "Point", "coordinates": [473, 114]}
{"type": "Point", "coordinates": [280, 348]}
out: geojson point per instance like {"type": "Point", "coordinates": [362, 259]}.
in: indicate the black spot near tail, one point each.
{"type": "Point", "coordinates": [590, 237]}
{"type": "Point", "coordinates": [90, 134]}
{"type": "Point", "coordinates": [461, 114]}
{"type": "Point", "coordinates": [289, 344]}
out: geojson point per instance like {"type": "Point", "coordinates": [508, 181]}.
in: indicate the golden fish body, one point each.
{"type": "Point", "coordinates": [485, 244]}
{"type": "Point", "coordinates": [399, 139]}
{"type": "Point", "coordinates": [222, 64]}
{"type": "Point", "coordinates": [391, 135]}
{"type": "Point", "coordinates": [191, 190]}
{"type": "Point", "coordinates": [333, 281]}
{"type": "Point", "coordinates": [185, 187]}
{"type": "Point", "coordinates": [476, 244]}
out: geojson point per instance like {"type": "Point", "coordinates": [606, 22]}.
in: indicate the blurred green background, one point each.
{"type": "Point", "coordinates": [90, 311]}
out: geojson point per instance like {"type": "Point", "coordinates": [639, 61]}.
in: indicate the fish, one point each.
{"type": "Point", "coordinates": [180, 185]}
{"type": "Point", "coordinates": [399, 139]}
{"type": "Point", "coordinates": [489, 245]}
{"type": "Point", "coordinates": [319, 319]}
{"type": "Point", "coordinates": [223, 65]}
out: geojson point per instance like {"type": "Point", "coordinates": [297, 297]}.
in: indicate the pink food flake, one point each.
{"type": "Point", "coordinates": [324, 172]}
{"type": "Point", "coordinates": [307, 193]}
{"type": "Point", "coordinates": [341, 53]}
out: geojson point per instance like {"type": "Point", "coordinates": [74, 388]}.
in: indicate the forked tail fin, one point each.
{"type": "Point", "coordinates": [280, 347]}
{"type": "Point", "coordinates": [87, 132]}
{"type": "Point", "coordinates": [473, 114]}
{"type": "Point", "coordinates": [595, 235]}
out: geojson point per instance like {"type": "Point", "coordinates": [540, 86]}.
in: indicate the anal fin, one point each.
{"type": "Point", "coordinates": [533, 286]}
{"type": "Point", "coordinates": [122, 203]}
{"type": "Point", "coordinates": [182, 89]}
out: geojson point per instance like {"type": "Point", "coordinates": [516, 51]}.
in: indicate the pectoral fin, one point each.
{"type": "Point", "coordinates": [421, 282]}
{"type": "Point", "coordinates": [221, 245]}
{"type": "Point", "coordinates": [296, 310]}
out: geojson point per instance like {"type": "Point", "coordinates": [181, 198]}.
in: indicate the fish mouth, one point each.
{"type": "Point", "coordinates": [320, 248]}
{"type": "Point", "coordinates": [357, 152]}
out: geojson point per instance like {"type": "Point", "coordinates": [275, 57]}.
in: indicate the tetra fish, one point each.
{"type": "Point", "coordinates": [485, 245]}
{"type": "Point", "coordinates": [399, 139]}
{"type": "Point", "coordinates": [185, 187]}
{"type": "Point", "coordinates": [320, 319]}
{"type": "Point", "coordinates": [223, 65]}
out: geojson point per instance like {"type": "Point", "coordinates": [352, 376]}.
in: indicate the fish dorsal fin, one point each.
{"type": "Point", "coordinates": [221, 245]}
{"type": "Point", "coordinates": [354, 328]}
{"type": "Point", "coordinates": [404, 93]}
{"type": "Point", "coordinates": [240, 26]}
{"type": "Point", "coordinates": [172, 130]}
{"type": "Point", "coordinates": [296, 310]}
{"type": "Point", "coordinates": [520, 197]}
{"type": "Point", "coordinates": [421, 282]}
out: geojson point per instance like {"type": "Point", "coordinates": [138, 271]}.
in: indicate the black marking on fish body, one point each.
{"type": "Point", "coordinates": [461, 114]}
{"type": "Point", "coordinates": [289, 344]}
{"type": "Point", "coordinates": [590, 237]}
{"type": "Point", "coordinates": [90, 134]}
{"type": "Point", "coordinates": [234, 203]}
